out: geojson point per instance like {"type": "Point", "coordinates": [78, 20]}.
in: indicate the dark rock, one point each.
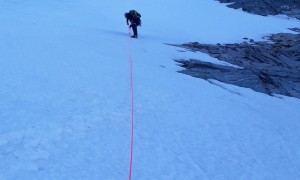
{"type": "Point", "coordinates": [271, 68]}
{"type": "Point", "coordinates": [290, 8]}
{"type": "Point", "coordinates": [295, 29]}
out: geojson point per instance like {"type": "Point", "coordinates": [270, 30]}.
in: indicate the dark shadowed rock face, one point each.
{"type": "Point", "coordinates": [290, 8]}
{"type": "Point", "coordinates": [271, 68]}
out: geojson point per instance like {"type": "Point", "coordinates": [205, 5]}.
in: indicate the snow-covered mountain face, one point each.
{"type": "Point", "coordinates": [65, 95]}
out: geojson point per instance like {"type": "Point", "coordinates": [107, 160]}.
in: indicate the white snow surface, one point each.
{"type": "Point", "coordinates": [65, 95]}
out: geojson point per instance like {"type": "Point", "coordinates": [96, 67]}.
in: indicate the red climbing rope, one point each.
{"type": "Point", "coordinates": [132, 105]}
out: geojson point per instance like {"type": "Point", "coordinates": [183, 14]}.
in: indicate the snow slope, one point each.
{"type": "Point", "coordinates": [65, 95]}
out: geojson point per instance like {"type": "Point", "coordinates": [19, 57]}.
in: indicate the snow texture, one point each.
{"type": "Point", "coordinates": [65, 95]}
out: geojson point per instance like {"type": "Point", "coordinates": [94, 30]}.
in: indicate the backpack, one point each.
{"type": "Point", "coordinates": [135, 14]}
{"type": "Point", "coordinates": [135, 17]}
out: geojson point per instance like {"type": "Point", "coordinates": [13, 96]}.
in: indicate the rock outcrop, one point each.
{"type": "Point", "coordinates": [271, 67]}
{"type": "Point", "coordinates": [290, 8]}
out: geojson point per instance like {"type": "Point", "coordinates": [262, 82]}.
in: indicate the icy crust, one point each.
{"type": "Point", "coordinates": [65, 95]}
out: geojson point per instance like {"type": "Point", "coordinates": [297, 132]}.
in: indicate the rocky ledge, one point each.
{"type": "Point", "coordinates": [290, 8]}
{"type": "Point", "coordinates": [270, 67]}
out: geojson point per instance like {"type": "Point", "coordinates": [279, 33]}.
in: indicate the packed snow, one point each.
{"type": "Point", "coordinates": [65, 95]}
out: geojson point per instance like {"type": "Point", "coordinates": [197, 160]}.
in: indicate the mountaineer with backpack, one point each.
{"type": "Point", "coordinates": [135, 20]}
